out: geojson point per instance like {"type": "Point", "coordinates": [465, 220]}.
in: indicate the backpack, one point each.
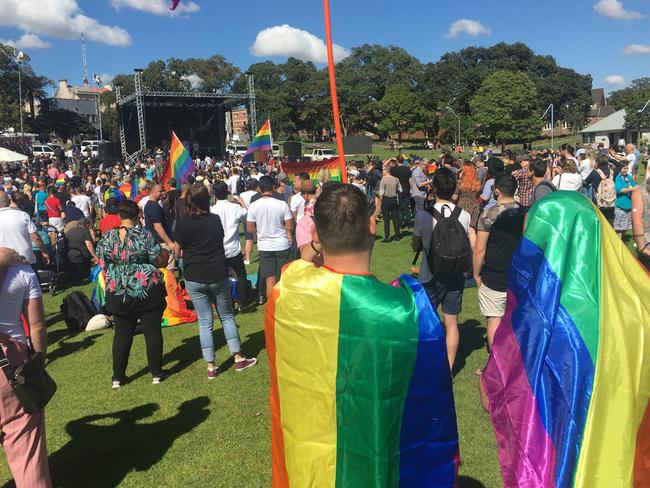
{"type": "Point", "coordinates": [450, 253]}
{"type": "Point", "coordinates": [241, 185]}
{"type": "Point", "coordinates": [77, 310]}
{"type": "Point", "coordinates": [606, 193]}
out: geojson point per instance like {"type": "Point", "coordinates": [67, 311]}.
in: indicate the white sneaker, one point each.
{"type": "Point", "coordinates": [116, 384]}
{"type": "Point", "coordinates": [247, 262]}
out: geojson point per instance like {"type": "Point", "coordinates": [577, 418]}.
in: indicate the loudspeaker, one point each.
{"type": "Point", "coordinates": [110, 151]}
{"type": "Point", "coordinates": [357, 145]}
{"type": "Point", "coordinates": [292, 150]}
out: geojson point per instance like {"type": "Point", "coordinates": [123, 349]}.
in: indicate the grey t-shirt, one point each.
{"type": "Point", "coordinates": [542, 189]}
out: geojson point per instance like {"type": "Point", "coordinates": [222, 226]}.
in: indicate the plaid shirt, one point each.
{"type": "Point", "coordinates": [525, 186]}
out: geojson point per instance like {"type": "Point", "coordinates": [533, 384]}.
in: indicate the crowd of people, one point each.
{"type": "Point", "coordinates": [465, 215]}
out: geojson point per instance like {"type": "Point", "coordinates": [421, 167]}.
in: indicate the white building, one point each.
{"type": "Point", "coordinates": [610, 130]}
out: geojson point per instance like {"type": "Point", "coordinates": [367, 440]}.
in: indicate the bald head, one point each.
{"type": "Point", "coordinates": [4, 199]}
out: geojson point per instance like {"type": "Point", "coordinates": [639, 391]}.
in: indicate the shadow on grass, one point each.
{"type": "Point", "coordinates": [104, 448]}
{"type": "Point", "coordinates": [472, 338]}
{"type": "Point", "coordinates": [467, 482]}
{"type": "Point", "coordinates": [189, 351]}
{"type": "Point", "coordinates": [65, 348]}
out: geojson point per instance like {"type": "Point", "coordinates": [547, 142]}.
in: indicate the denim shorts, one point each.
{"type": "Point", "coordinates": [447, 292]}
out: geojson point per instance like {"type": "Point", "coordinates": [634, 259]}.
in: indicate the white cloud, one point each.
{"type": "Point", "coordinates": [615, 10]}
{"type": "Point", "coordinates": [62, 19]}
{"type": "Point", "coordinates": [27, 41]}
{"type": "Point", "coordinates": [287, 41]}
{"type": "Point", "coordinates": [195, 80]}
{"type": "Point", "coordinates": [466, 26]}
{"type": "Point", "coordinates": [615, 80]}
{"type": "Point", "coordinates": [636, 49]}
{"type": "Point", "coordinates": [157, 7]}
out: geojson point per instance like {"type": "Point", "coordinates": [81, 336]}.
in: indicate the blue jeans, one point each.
{"type": "Point", "coordinates": [203, 297]}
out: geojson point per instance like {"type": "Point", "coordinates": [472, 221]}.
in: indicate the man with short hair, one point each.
{"type": "Point", "coordinates": [538, 173]}
{"type": "Point", "coordinates": [231, 214]}
{"type": "Point", "coordinates": [419, 185]}
{"type": "Point", "coordinates": [348, 364]}
{"type": "Point", "coordinates": [524, 182]}
{"type": "Point", "coordinates": [17, 231]}
{"type": "Point", "coordinates": [82, 202]}
{"type": "Point", "coordinates": [499, 231]}
{"type": "Point", "coordinates": [271, 219]}
{"type": "Point", "coordinates": [403, 174]}
{"type": "Point", "coordinates": [155, 220]}
{"type": "Point", "coordinates": [443, 290]}
{"type": "Point", "coordinates": [297, 202]}
{"type": "Point", "coordinates": [629, 159]}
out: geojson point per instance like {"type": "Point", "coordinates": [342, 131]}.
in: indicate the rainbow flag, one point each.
{"type": "Point", "coordinates": [313, 168]}
{"type": "Point", "coordinates": [360, 395]}
{"type": "Point", "coordinates": [261, 145]}
{"type": "Point", "coordinates": [180, 165]}
{"type": "Point", "coordinates": [568, 377]}
{"type": "Point", "coordinates": [98, 296]}
{"type": "Point", "coordinates": [60, 180]}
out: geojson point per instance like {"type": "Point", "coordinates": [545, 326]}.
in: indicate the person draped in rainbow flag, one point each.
{"type": "Point", "coordinates": [567, 383]}
{"type": "Point", "coordinates": [361, 390]}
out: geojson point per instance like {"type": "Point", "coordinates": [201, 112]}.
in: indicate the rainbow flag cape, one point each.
{"type": "Point", "coordinates": [261, 145]}
{"type": "Point", "coordinates": [313, 168]}
{"type": "Point", "coordinates": [180, 165]}
{"type": "Point", "coordinates": [60, 180]}
{"type": "Point", "coordinates": [568, 377]}
{"type": "Point", "coordinates": [360, 395]}
{"type": "Point", "coordinates": [176, 312]}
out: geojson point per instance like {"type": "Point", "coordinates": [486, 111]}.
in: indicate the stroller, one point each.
{"type": "Point", "coordinates": [50, 276]}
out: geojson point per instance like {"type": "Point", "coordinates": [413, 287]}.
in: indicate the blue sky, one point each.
{"type": "Point", "coordinates": [587, 35]}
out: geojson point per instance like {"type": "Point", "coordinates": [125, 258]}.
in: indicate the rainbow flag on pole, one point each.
{"type": "Point", "coordinates": [313, 168]}
{"type": "Point", "coordinates": [181, 165]}
{"type": "Point", "coordinates": [568, 377]}
{"type": "Point", "coordinates": [360, 396]}
{"type": "Point", "coordinates": [261, 145]}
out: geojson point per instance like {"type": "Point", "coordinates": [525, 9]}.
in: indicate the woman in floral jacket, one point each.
{"type": "Point", "coordinates": [135, 290]}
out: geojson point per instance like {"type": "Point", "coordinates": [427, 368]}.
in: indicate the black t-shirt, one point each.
{"type": "Point", "coordinates": [201, 238]}
{"type": "Point", "coordinates": [505, 235]}
{"type": "Point", "coordinates": [403, 174]}
{"type": "Point", "coordinates": [154, 214]}
{"type": "Point", "coordinates": [63, 196]}
{"type": "Point", "coordinates": [76, 245]}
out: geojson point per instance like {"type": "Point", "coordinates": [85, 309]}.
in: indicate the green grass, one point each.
{"type": "Point", "coordinates": [191, 432]}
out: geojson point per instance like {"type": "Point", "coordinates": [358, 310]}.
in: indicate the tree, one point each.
{"type": "Point", "coordinates": [505, 108]}
{"type": "Point", "coordinates": [402, 111]}
{"type": "Point", "coordinates": [632, 99]}
{"type": "Point", "coordinates": [64, 123]}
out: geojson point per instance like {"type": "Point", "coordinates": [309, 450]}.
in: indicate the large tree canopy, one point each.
{"type": "Point", "coordinates": [633, 99]}
{"type": "Point", "coordinates": [505, 110]}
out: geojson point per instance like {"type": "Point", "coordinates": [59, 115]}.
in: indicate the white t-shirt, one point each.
{"type": "Point", "coordinates": [231, 214]}
{"type": "Point", "coordinates": [424, 225]}
{"type": "Point", "coordinates": [247, 195]}
{"type": "Point", "coordinates": [256, 176]}
{"type": "Point", "coordinates": [585, 168]}
{"type": "Point", "coordinates": [232, 184]}
{"type": "Point", "coordinates": [16, 229]}
{"type": "Point", "coordinates": [269, 215]}
{"type": "Point", "coordinates": [568, 181]}
{"type": "Point", "coordinates": [83, 203]}
{"type": "Point", "coordinates": [20, 284]}
{"type": "Point", "coordinates": [631, 164]}
{"type": "Point", "coordinates": [297, 205]}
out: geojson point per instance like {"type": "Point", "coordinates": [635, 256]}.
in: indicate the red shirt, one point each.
{"type": "Point", "coordinates": [109, 222]}
{"type": "Point", "coordinates": [53, 207]}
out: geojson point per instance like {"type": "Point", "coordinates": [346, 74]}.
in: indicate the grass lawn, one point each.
{"type": "Point", "coordinates": [191, 432]}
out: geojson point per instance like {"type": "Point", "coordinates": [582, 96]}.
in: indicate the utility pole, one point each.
{"type": "Point", "coordinates": [19, 59]}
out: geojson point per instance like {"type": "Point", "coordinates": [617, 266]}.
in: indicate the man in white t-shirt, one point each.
{"type": "Point", "coordinates": [24, 434]}
{"type": "Point", "coordinates": [231, 214]}
{"type": "Point", "coordinates": [17, 231]}
{"type": "Point", "coordinates": [82, 202]}
{"type": "Point", "coordinates": [629, 159]}
{"type": "Point", "coordinates": [252, 189]}
{"type": "Point", "coordinates": [232, 181]}
{"type": "Point", "coordinates": [442, 290]}
{"type": "Point", "coordinates": [272, 220]}
{"type": "Point", "coordinates": [297, 201]}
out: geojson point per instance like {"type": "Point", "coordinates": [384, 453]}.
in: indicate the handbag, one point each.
{"type": "Point", "coordinates": [33, 386]}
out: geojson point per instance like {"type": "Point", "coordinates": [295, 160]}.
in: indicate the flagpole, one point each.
{"type": "Point", "coordinates": [335, 100]}
{"type": "Point", "coordinates": [271, 134]}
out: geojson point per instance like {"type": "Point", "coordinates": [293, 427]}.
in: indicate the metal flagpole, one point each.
{"type": "Point", "coordinates": [335, 100]}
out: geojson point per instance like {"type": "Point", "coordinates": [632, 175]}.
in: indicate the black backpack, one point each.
{"type": "Point", "coordinates": [77, 310]}
{"type": "Point", "coordinates": [241, 185]}
{"type": "Point", "coordinates": [450, 253]}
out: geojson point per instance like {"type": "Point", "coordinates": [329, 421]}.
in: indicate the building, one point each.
{"type": "Point", "coordinates": [239, 121]}
{"type": "Point", "coordinates": [611, 130]}
{"type": "Point", "coordinates": [598, 110]}
{"type": "Point", "coordinates": [83, 100]}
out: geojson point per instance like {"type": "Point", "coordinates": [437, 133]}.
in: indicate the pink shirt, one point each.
{"type": "Point", "coordinates": [303, 231]}
{"type": "Point", "coordinates": [53, 173]}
